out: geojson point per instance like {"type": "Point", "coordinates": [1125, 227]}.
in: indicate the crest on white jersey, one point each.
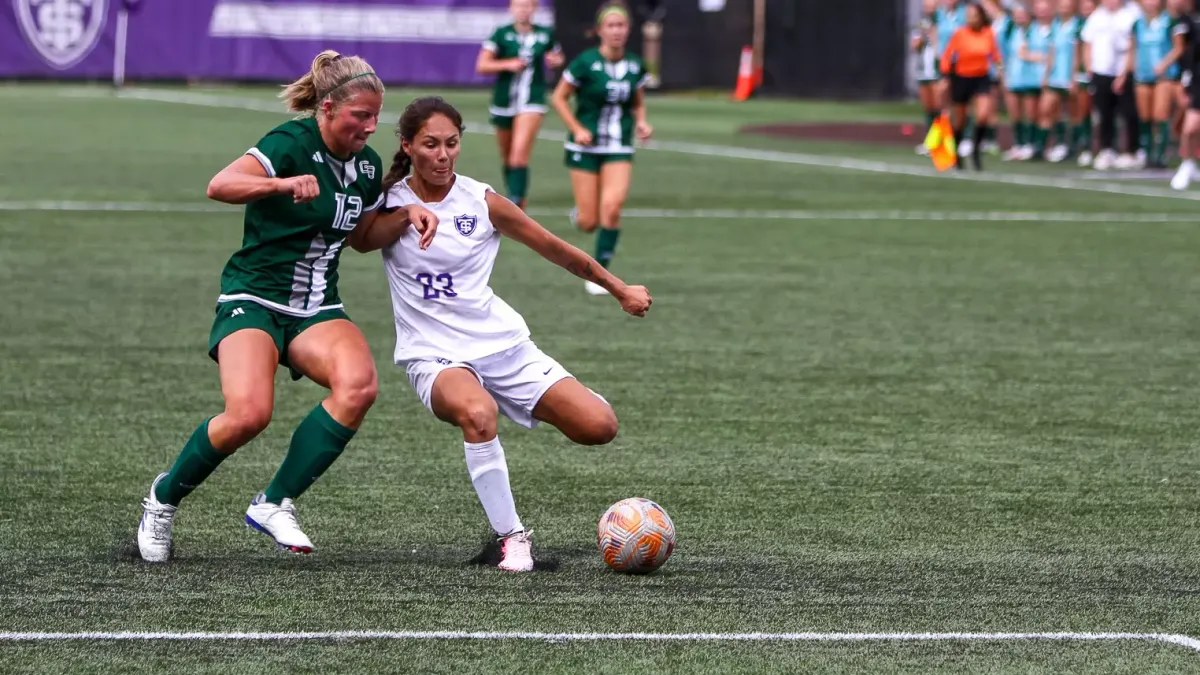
{"type": "Point", "coordinates": [367, 168]}
{"type": "Point", "coordinates": [465, 224]}
{"type": "Point", "coordinates": [62, 31]}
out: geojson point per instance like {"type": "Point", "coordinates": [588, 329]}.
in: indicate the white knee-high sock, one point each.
{"type": "Point", "coordinates": [489, 474]}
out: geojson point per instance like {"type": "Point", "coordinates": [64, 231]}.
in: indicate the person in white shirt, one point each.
{"type": "Point", "coordinates": [467, 353]}
{"type": "Point", "coordinates": [1107, 38]}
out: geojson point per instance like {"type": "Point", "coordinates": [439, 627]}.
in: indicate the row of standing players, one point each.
{"type": "Point", "coordinates": [312, 186]}
{"type": "Point", "coordinates": [1046, 85]}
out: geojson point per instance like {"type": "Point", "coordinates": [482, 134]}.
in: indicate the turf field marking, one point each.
{"type": "Point", "coordinates": [719, 151]}
{"type": "Point", "coordinates": [1169, 638]}
{"type": "Point", "coordinates": [683, 214]}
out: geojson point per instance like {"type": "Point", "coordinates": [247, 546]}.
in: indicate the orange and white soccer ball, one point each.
{"type": "Point", "coordinates": [635, 535]}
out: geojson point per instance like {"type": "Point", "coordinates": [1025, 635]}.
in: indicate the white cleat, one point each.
{"type": "Point", "coordinates": [1126, 162]}
{"type": "Point", "coordinates": [516, 552]}
{"type": "Point", "coordinates": [922, 150]}
{"type": "Point", "coordinates": [594, 288]}
{"type": "Point", "coordinates": [279, 522]}
{"type": "Point", "coordinates": [966, 148]}
{"type": "Point", "coordinates": [1183, 177]}
{"type": "Point", "coordinates": [154, 531]}
{"type": "Point", "coordinates": [1104, 160]}
{"type": "Point", "coordinates": [1058, 153]}
{"type": "Point", "coordinates": [1085, 159]}
{"type": "Point", "coordinates": [1012, 154]}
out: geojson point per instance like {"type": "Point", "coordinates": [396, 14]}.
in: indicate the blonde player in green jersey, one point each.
{"type": "Point", "coordinates": [608, 83]}
{"type": "Point", "coordinates": [517, 54]}
{"type": "Point", "coordinates": [310, 186]}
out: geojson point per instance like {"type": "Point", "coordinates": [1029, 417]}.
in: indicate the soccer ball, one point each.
{"type": "Point", "coordinates": [635, 535]}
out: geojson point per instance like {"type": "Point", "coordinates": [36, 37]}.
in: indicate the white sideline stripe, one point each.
{"type": "Point", "coordinates": [1182, 640]}
{"type": "Point", "coordinates": [684, 214]}
{"type": "Point", "coordinates": [722, 151]}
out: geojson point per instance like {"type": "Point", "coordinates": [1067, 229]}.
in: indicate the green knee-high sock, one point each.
{"type": "Point", "coordinates": [196, 461]}
{"type": "Point", "coordinates": [1039, 140]}
{"type": "Point", "coordinates": [1145, 140]}
{"type": "Point", "coordinates": [1164, 142]}
{"type": "Point", "coordinates": [989, 134]}
{"type": "Point", "coordinates": [1060, 133]}
{"type": "Point", "coordinates": [316, 443]}
{"type": "Point", "coordinates": [969, 130]}
{"type": "Point", "coordinates": [606, 244]}
{"type": "Point", "coordinates": [1019, 136]}
{"type": "Point", "coordinates": [1087, 133]}
{"type": "Point", "coordinates": [518, 183]}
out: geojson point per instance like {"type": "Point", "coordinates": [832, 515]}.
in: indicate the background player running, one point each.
{"type": "Point", "coordinates": [608, 83]}
{"type": "Point", "coordinates": [310, 185]}
{"type": "Point", "coordinates": [468, 353]}
{"type": "Point", "coordinates": [518, 54]}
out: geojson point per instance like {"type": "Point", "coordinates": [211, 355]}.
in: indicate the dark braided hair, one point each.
{"type": "Point", "coordinates": [411, 120]}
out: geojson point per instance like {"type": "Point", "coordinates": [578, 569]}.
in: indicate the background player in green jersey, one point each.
{"type": "Point", "coordinates": [608, 83]}
{"type": "Point", "coordinates": [518, 53]}
{"type": "Point", "coordinates": [310, 185]}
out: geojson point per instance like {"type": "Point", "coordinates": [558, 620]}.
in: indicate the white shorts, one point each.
{"type": "Point", "coordinates": [517, 378]}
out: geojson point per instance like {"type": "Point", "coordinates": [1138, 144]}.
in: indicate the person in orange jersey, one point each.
{"type": "Point", "coordinates": [966, 64]}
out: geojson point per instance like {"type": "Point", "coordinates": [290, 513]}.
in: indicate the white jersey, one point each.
{"type": "Point", "coordinates": [443, 305]}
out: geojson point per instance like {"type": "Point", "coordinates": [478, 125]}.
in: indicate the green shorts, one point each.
{"type": "Point", "coordinates": [234, 316]}
{"type": "Point", "coordinates": [592, 161]}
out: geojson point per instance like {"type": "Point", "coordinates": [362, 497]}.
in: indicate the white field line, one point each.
{"type": "Point", "coordinates": [680, 214]}
{"type": "Point", "coordinates": [1182, 640]}
{"type": "Point", "coordinates": [718, 151]}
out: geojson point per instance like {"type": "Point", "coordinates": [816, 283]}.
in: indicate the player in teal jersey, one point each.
{"type": "Point", "coordinates": [518, 54]}
{"type": "Point", "coordinates": [1039, 50]}
{"type": "Point", "coordinates": [608, 84]}
{"type": "Point", "coordinates": [1061, 87]}
{"type": "Point", "coordinates": [310, 186]}
{"type": "Point", "coordinates": [1153, 59]}
{"type": "Point", "coordinates": [1022, 80]}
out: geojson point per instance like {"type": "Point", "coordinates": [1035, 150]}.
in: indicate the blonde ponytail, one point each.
{"type": "Point", "coordinates": [331, 76]}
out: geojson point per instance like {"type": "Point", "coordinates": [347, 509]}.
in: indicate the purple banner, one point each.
{"type": "Point", "coordinates": [407, 41]}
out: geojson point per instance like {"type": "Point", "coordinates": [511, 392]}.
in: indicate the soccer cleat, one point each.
{"type": "Point", "coordinates": [966, 147]}
{"type": "Point", "coordinates": [1085, 158]}
{"type": "Point", "coordinates": [1125, 162]}
{"type": "Point", "coordinates": [1104, 160]}
{"type": "Point", "coordinates": [154, 530]}
{"type": "Point", "coordinates": [594, 288]}
{"type": "Point", "coordinates": [279, 522]}
{"type": "Point", "coordinates": [922, 150]}
{"type": "Point", "coordinates": [516, 552]}
{"type": "Point", "coordinates": [1058, 153]}
{"type": "Point", "coordinates": [1183, 177]}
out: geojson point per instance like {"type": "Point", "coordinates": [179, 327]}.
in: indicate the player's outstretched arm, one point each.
{"type": "Point", "coordinates": [510, 220]}
{"type": "Point", "coordinates": [378, 229]}
{"type": "Point", "coordinates": [245, 180]}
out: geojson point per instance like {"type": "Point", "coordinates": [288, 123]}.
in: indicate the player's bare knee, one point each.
{"type": "Point", "coordinates": [477, 419]}
{"type": "Point", "coordinates": [610, 214]}
{"type": "Point", "coordinates": [246, 419]}
{"type": "Point", "coordinates": [358, 393]}
{"type": "Point", "coordinates": [587, 221]}
{"type": "Point", "coordinates": [598, 429]}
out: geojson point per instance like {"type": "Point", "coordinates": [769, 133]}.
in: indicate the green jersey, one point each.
{"type": "Point", "coordinates": [516, 93]}
{"type": "Point", "coordinates": [604, 96]}
{"type": "Point", "coordinates": [288, 261]}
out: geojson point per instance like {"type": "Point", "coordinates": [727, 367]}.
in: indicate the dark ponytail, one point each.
{"type": "Point", "coordinates": [401, 165]}
{"type": "Point", "coordinates": [411, 120]}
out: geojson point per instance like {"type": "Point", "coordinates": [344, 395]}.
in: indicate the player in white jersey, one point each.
{"type": "Point", "coordinates": [468, 353]}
